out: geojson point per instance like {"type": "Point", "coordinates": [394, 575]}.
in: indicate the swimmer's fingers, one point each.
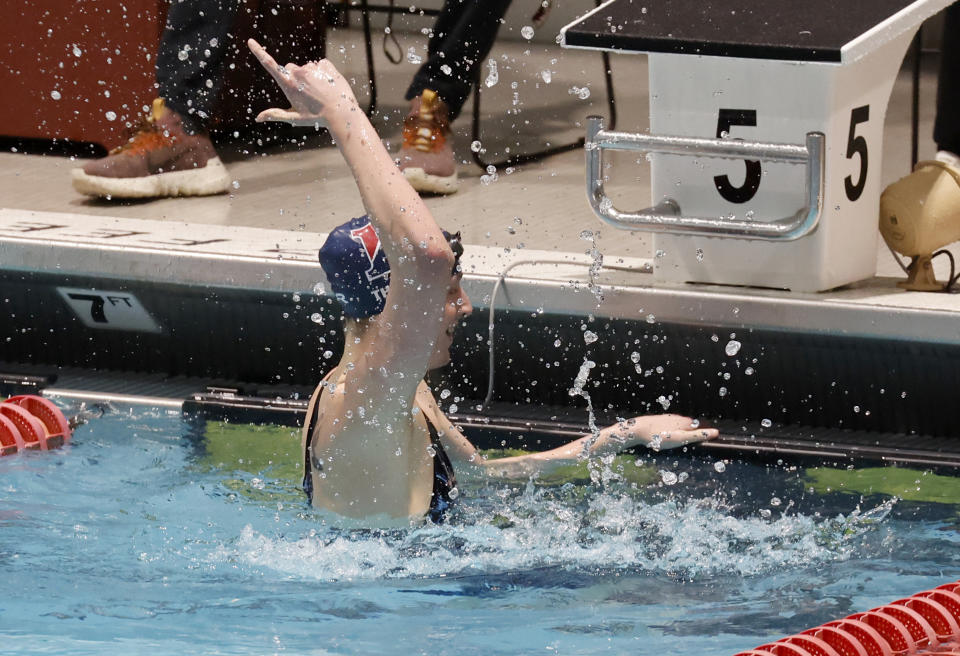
{"type": "Point", "coordinates": [678, 438]}
{"type": "Point", "coordinates": [275, 114]}
{"type": "Point", "coordinates": [279, 73]}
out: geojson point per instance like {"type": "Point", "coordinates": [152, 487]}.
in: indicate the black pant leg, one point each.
{"type": "Point", "coordinates": [191, 57]}
{"type": "Point", "coordinates": [946, 129]}
{"type": "Point", "coordinates": [463, 35]}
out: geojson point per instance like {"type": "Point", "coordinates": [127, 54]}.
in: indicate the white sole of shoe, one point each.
{"type": "Point", "coordinates": [434, 184]}
{"type": "Point", "coordinates": [211, 179]}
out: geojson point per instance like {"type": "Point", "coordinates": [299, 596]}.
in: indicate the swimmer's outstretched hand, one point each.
{"type": "Point", "coordinates": [316, 90]}
{"type": "Point", "coordinates": [661, 432]}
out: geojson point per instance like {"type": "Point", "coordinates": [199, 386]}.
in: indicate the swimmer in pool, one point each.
{"type": "Point", "coordinates": [376, 445]}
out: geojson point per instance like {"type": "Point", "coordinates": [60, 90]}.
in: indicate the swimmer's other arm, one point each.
{"type": "Point", "coordinates": [658, 432]}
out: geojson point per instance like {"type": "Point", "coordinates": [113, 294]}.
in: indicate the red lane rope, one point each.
{"type": "Point", "coordinates": [31, 422]}
{"type": "Point", "coordinates": [927, 622]}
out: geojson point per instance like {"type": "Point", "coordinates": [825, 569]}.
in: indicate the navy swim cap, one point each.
{"type": "Point", "coordinates": [357, 269]}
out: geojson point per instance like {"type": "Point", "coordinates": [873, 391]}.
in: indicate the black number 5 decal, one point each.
{"type": "Point", "coordinates": [857, 145]}
{"type": "Point", "coordinates": [726, 120]}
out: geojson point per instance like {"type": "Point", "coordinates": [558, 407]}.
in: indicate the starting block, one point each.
{"type": "Point", "coordinates": [766, 133]}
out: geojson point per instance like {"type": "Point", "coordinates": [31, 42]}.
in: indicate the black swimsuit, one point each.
{"type": "Point", "coordinates": [444, 479]}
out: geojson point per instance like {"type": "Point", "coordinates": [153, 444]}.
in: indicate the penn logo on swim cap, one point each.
{"type": "Point", "coordinates": [356, 267]}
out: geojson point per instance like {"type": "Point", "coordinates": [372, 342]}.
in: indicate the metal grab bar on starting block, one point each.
{"type": "Point", "coordinates": [666, 216]}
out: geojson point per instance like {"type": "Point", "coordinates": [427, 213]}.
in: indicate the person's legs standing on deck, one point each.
{"type": "Point", "coordinates": [171, 154]}
{"type": "Point", "coordinates": [463, 35]}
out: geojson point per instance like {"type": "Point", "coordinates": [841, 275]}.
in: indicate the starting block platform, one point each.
{"type": "Point", "coordinates": [797, 92]}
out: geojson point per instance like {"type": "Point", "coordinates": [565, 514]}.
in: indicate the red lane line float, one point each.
{"type": "Point", "coordinates": [31, 429]}
{"type": "Point", "coordinates": [949, 600]}
{"type": "Point", "coordinates": [811, 644]}
{"type": "Point", "coordinates": [920, 630]}
{"type": "Point", "coordinates": [868, 637]}
{"type": "Point", "coordinates": [891, 628]}
{"type": "Point", "coordinates": [56, 425]}
{"type": "Point", "coordinates": [844, 643]}
{"type": "Point", "coordinates": [928, 623]}
{"type": "Point", "coordinates": [31, 422]}
{"type": "Point", "coordinates": [944, 623]}
{"type": "Point", "coordinates": [785, 649]}
{"type": "Point", "coordinates": [10, 439]}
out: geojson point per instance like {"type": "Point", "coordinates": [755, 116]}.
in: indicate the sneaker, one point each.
{"type": "Point", "coordinates": [161, 159]}
{"type": "Point", "coordinates": [426, 157]}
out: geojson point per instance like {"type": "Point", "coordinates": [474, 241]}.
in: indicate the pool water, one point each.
{"type": "Point", "coordinates": [151, 534]}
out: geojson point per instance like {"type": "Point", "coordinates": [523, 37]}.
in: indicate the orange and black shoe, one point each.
{"type": "Point", "coordinates": [160, 159]}
{"type": "Point", "coordinates": [426, 157]}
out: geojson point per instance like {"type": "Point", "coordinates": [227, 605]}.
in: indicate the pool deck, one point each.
{"type": "Point", "coordinates": [287, 197]}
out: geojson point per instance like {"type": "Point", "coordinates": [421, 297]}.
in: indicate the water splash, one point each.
{"type": "Point", "coordinates": [564, 528]}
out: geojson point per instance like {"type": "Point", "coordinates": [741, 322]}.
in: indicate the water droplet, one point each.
{"type": "Point", "coordinates": [413, 57]}
{"type": "Point", "coordinates": [748, 371]}
{"type": "Point", "coordinates": [766, 423]}
{"type": "Point", "coordinates": [589, 337]}
{"type": "Point", "coordinates": [77, 51]}
{"type": "Point", "coordinates": [111, 116]}
{"type": "Point", "coordinates": [445, 69]}
{"type": "Point", "coordinates": [732, 348]}
{"type": "Point", "coordinates": [316, 317]}
{"type": "Point", "coordinates": [235, 184]}
{"type": "Point", "coordinates": [453, 408]}
{"type": "Point", "coordinates": [526, 32]}
{"type": "Point", "coordinates": [327, 355]}
{"type": "Point", "coordinates": [775, 501]}
{"type": "Point", "coordinates": [444, 394]}
{"type": "Point", "coordinates": [664, 402]}
{"type": "Point", "coordinates": [699, 255]}
{"type": "Point", "coordinates": [453, 493]}
{"type": "Point", "coordinates": [431, 451]}
{"type": "Point", "coordinates": [722, 391]}
{"type": "Point", "coordinates": [634, 357]}
{"type": "Point", "coordinates": [492, 75]}
{"type": "Point", "coordinates": [719, 466]}
{"type": "Point", "coordinates": [475, 146]}
{"type": "Point", "coordinates": [651, 319]}
{"type": "Point", "coordinates": [668, 477]}
{"type": "Point", "coordinates": [55, 95]}
{"type": "Point", "coordinates": [546, 75]}
{"type": "Point", "coordinates": [765, 513]}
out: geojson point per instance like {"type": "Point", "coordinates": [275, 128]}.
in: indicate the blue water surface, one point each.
{"type": "Point", "coordinates": [129, 542]}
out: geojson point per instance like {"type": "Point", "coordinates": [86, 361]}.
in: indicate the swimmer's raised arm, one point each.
{"type": "Point", "coordinates": [421, 260]}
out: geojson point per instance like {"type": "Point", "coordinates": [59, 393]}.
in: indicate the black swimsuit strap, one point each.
{"type": "Point", "coordinates": [444, 480]}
